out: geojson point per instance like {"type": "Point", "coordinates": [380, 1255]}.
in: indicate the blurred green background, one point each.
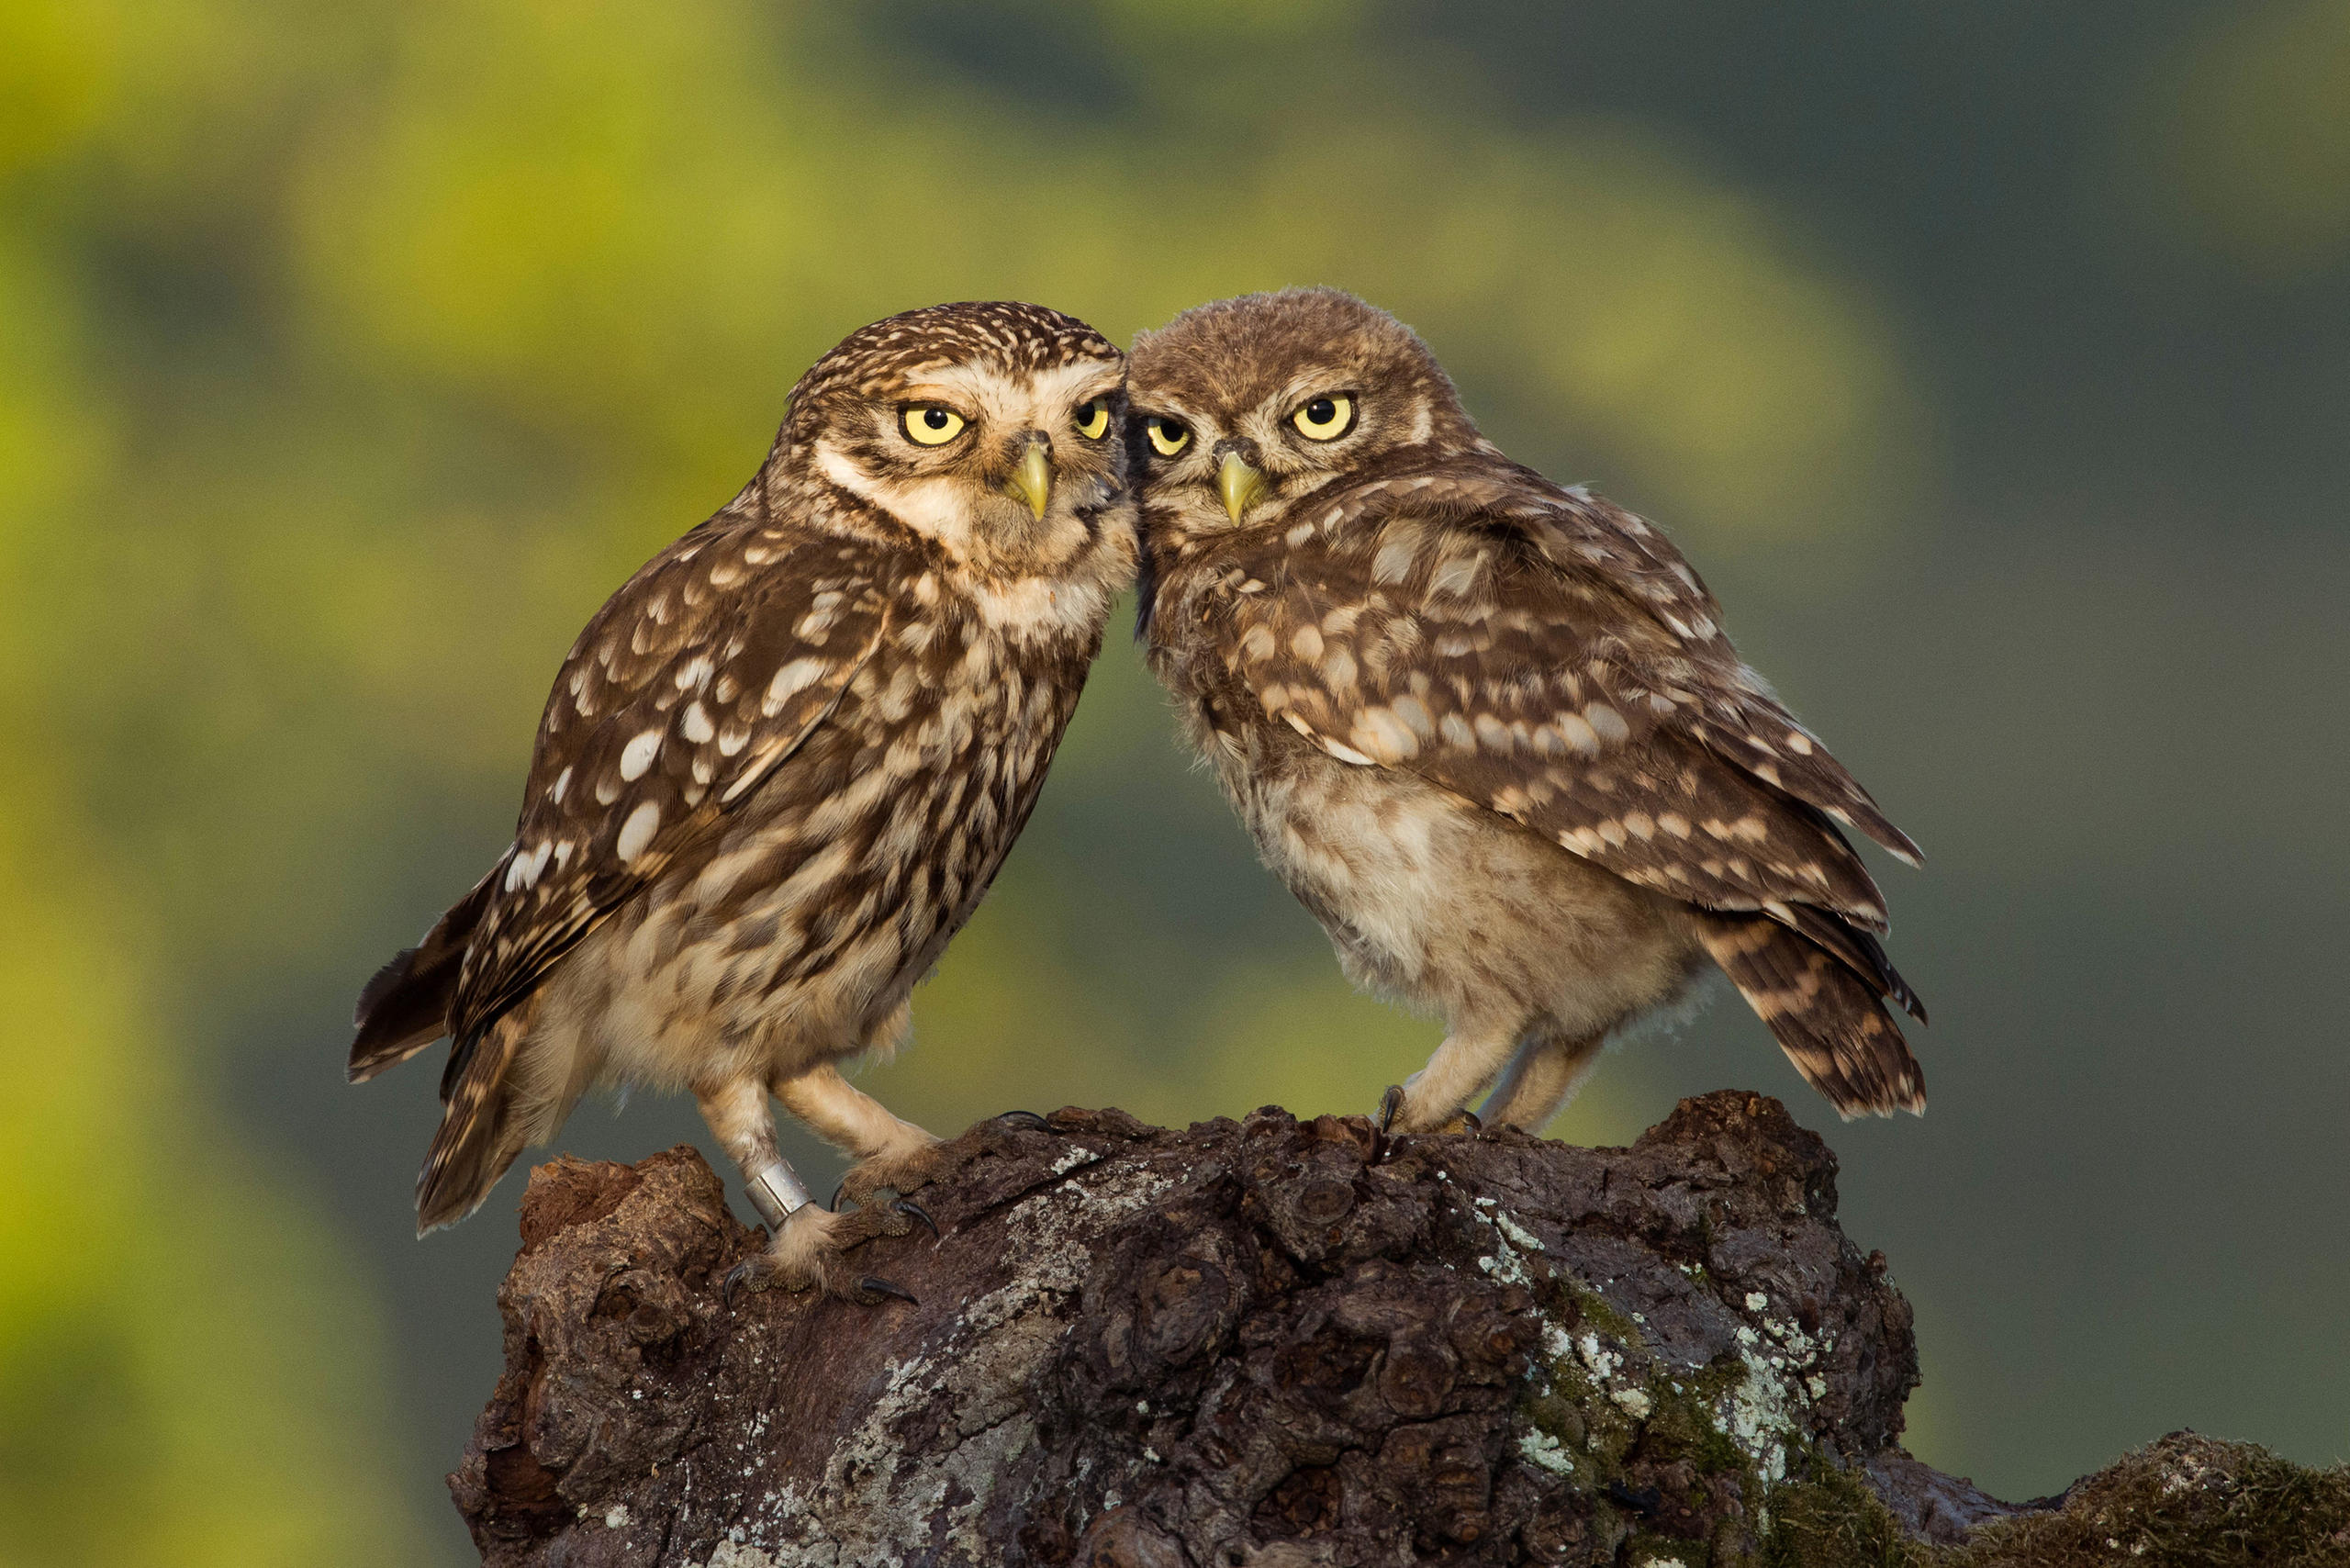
{"type": "Point", "coordinates": [1992, 359]}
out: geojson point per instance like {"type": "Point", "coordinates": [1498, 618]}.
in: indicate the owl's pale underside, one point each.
{"type": "Point", "coordinates": [779, 768]}
{"type": "Point", "coordinates": [1487, 728]}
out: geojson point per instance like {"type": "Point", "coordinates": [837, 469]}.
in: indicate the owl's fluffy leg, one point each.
{"type": "Point", "coordinates": [1435, 1097]}
{"type": "Point", "coordinates": [1541, 1078]}
{"type": "Point", "coordinates": [809, 1239]}
{"type": "Point", "coordinates": [893, 1155]}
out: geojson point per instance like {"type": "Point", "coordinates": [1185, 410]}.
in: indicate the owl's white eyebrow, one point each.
{"type": "Point", "coordinates": [1313, 384]}
{"type": "Point", "coordinates": [948, 397]}
{"type": "Point", "coordinates": [1011, 396]}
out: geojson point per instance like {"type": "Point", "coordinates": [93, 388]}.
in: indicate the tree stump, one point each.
{"type": "Point", "coordinates": [1251, 1344]}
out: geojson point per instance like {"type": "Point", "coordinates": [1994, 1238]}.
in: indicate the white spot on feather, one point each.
{"type": "Point", "coordinates": [638, 755]}
{"type": "Point", "coordinates": [1343, 753]}
{"type": "Point", "coordinates": [789, 681]}
{"type": "Point", "coordinates": [1385, 736]}
{"type": "Point", "coordinates": [638, 831]}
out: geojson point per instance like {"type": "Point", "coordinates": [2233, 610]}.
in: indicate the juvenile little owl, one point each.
{"type": "Point", "coordinates": [779, 768]}
{"type": "Point", "coordinates": [1487, 728]}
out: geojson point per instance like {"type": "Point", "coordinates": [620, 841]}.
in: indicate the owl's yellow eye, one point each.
{"type": "Point", "coordinates": [1167, 437]}
{"type": "Point", "coordinates": [1093, 418]}
{"type": "Point", "coordinates": [1326, 419]}
{"type": "Point", "coordinates": [928, 424]}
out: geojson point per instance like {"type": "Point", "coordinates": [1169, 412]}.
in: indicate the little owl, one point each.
{"type": "Point", "coordinates": [779, 768]}
{"type": "Point", "coordinates": [1487, 728]}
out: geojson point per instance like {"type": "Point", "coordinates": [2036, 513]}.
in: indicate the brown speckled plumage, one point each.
{"type": "Point", "coordinates": [1489, 728]}
{"type": "Point", "coordinates": [782, 764]}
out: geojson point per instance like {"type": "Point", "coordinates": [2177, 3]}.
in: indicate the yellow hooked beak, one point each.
{"type": "Point", "coordinates": [1032, 480]}
{"type": "Point", "coordinates": [1238, 483]}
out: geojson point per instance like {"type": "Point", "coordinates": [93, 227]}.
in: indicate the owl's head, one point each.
{"type": "Point", "coordinates": [1242, 409]}
{"type": "Point", "coordinates": [995, 429]}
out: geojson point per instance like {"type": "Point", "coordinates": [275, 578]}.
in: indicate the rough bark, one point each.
{"type": "Point", "coordinates": [1254, 1344]}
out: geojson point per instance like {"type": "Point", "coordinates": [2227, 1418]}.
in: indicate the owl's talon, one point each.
{"type": "Point", "coordinates": [914, 1210]}
{"type": "Point", "coordinates": [752, 1275]}
{"type": "Point", "coordinates": [1028, 1119]}
{"type": "Point", "coordinates": [873, 1284]}
{"type": "Point", "coordinates": [1472, 1122]}
{"type": "Point", "coordinates": [1381, 1125]}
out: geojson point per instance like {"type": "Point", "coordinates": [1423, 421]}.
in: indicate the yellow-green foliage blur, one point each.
{"type": "Point", "coordinates": [350, 354]}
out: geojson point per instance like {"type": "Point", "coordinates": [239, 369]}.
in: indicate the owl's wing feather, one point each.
{"type": "Point", "coordinates": [700, 676]}
{"type": "Point", "coordinates": [405, 1006]}
{"type": "Point", "coordinates": [1826, 1018]}
{"type": "Point", "coordinates": [1590, 539]}
{"type": "Point", "coordinates": [1740, 718]}
{"type": "Point", "coordinates": [1471, 655]}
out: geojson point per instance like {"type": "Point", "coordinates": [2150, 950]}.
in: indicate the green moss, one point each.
{"type": "Point", "coordinates": [1824, 1517]}
{"type": "Point", "coordinates": [1596, 1312]}
{"type": "Point", "coordinates": [1681, 1425]}
{"type": "Point", "coordinates": [2185, 1502]}
{"type": "Point", "coordinates": [1644, 1547]}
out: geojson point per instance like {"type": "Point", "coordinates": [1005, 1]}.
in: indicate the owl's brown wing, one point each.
{"type": "Point", "coordinates": [687, 690]}
{"type": "Point", "coordinates": [1619, 578]}
{"type": "Point", "coordinates": [1470, 654]}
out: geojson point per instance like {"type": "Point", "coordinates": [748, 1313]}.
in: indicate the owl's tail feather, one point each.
{"type": "Point", "coordinates": [482, 1127]}
{"type": "Point", "coordinates": [1832, 1023]}
{"type": "Point", "coordinates": [405, 1007]}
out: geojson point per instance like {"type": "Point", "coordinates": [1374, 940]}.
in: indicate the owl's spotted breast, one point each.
{"type": "Point", "coordinates": [806, 915]}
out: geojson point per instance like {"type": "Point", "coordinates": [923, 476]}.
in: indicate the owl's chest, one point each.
{"type": "Point", "coordinates": [846, 874]}
{"type": "Point", "coordinates": [927, 758]}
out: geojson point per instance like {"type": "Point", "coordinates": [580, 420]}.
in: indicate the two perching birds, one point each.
{"type": "Point", "coordinates": [1488, 730]}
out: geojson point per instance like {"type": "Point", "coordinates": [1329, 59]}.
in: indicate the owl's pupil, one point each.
{"type": "Point", "coordinates": [1321, 410]}
{"type": "Point", "coordinates": [935, 418]}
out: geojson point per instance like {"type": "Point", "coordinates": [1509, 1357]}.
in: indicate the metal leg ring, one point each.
{"type": "Point", "coordinates": [776, 1191]}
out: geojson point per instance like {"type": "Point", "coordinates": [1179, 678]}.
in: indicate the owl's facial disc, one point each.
{"type": "Point", "coordinates": [1284, 448]}
{"type": "Point", "coordinates": [1002, 465]}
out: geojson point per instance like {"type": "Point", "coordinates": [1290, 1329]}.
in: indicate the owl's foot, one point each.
{"type": "Point", "coordinates": [906, 1168]}
{"type": "Point", "coordinates": [910, 1214]}
{"type": "Point", "coordinates": [1392, 1110]}
{"type": "Point", "coordinates": [807, 1254]}
{"type": "Point", "coordinates": [1026, 1121]}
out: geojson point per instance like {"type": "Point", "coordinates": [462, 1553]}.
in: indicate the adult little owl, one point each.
{"type": "Point", "coordinates": [779, 768]}
{"type": "Point", "coordinates": [1487, 728]}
